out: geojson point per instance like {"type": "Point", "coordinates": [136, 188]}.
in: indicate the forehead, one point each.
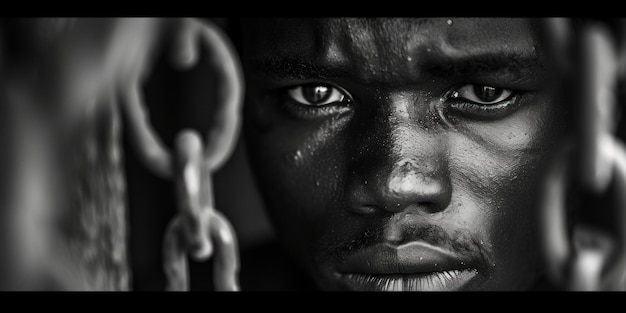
{"type": "Point", "coordinates": [294, 34]}
{"type": "Point", "coordinates": [375, 46]}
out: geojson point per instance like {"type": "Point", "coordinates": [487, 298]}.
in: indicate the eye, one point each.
{"type": "Point", "coordinates": [317, 95]}
{"type": "Point", "coordinates": [482, 94]}
{"type": "Point", "coordinates": [483, 102]}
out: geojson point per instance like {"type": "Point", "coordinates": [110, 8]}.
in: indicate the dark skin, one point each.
{"type": "Point", "coordinates": [402, 138]}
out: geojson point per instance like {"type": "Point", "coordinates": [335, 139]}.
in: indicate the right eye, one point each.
{"type": "Point", "coordinates": [317, 95]}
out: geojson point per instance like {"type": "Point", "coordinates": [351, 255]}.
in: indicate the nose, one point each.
{"type": "Point", "coordinates": [399, 163]}
{"type": "Point", "coordinates": [410, 181]}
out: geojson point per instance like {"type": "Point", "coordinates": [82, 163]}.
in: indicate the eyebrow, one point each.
{"type": "Point", "coordinates": [514, 65]}
{"type": "Point", "coordinates": [283, 67]}
{"type": "Point", "coordinates": [509, 64]}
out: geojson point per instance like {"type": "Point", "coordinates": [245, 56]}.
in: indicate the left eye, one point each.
{"type": "Point", "coordinates": [316, 95]}
{"type": "Point", "coordinates": [482, 94]}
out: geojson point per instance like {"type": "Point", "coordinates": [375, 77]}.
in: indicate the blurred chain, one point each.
{"type": "Point", "coordinates": [197, 229]}
{"type": "Point", "coordinates": [587, 61]}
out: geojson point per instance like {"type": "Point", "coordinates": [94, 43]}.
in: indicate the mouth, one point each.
{"type": "Point", "coordinates": [414, 266]}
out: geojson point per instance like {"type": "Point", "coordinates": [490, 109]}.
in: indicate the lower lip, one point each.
{"type": "Point", "coordinates": [436, 281]}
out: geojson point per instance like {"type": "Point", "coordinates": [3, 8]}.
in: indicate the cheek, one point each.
{"type": "Point", "coordinates": [494, 199]}
{"type": "Point", "coordinates": [496, 162]}
{"type": "Point", "coordinates": [526, 131]}
{"type": "Point", "coordinates": [494, 172]}
{"type": "Point", "coordinates": [299, 168]}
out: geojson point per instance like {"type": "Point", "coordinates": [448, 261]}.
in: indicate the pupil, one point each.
{"type": "Point", "coordinates": [316, 94]}
{"type": "Point", "coordinates": [487, 93]}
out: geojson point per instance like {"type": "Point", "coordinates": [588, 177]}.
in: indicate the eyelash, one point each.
{"type": "Point", "coordinates": [461, 100]}
{"type": "Point", "coordinates": [462, 103]}
{"type": "Point", "coordinates": [294, 102]}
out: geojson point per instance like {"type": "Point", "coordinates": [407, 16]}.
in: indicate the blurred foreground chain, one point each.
{"type": "Point", "coordinates": [588, 63]}
{"type": "Point", "coordinates": [198, 229]}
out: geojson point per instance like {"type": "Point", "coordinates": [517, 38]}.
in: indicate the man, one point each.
{"type": "Point", "coordinates": [408, 154]}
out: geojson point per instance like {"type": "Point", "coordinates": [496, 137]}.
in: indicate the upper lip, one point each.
{"type": "Point", "coordinates": [414, 257]}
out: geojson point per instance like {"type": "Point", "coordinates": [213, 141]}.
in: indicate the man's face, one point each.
{"type": "Point", "coordinates": [401, 154]}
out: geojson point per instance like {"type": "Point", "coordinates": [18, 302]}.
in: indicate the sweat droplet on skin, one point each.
{"type": "Point", "coordinates": [297, 157]}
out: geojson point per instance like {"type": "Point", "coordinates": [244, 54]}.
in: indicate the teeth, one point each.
{"type": "Point", "coordinates": [437, 281]}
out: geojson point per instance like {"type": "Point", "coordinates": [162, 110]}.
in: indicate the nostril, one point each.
{"type": "Point", "coordinates": [359, 197]}
{"type": "Point", "coordinates": [364, 209]}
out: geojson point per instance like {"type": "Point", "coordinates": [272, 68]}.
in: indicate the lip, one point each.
{"type": "Point", "coordinates": [414, 266]}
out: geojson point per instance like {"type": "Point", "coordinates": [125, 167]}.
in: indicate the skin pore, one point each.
{"type": "Point", "coordinates": [401, 154]}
